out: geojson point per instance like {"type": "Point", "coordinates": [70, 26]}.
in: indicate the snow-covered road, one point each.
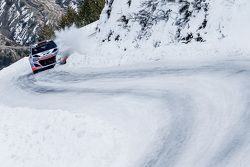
{"type": "Point", "coordinates": [194, 114]}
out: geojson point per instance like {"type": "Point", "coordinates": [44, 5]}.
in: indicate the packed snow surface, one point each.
{"type": "Point", "coordinates": [116, 105]}
{"type": "Point", "coordinates": [193, 113]}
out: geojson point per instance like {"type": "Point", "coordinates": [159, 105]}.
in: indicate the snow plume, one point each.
{"type": "Point", "coordinates": [79, 43]}
{"type": "Point", "coordinates": [152, 30]}
{"type": "Point", "coordinates": [75, 39]}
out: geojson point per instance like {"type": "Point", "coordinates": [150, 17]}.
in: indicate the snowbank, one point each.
{"type": "Point", "coordinates": [111, 43]}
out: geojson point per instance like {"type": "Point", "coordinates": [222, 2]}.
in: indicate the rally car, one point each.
{"type": "Point", "coordinates": [43, 56]}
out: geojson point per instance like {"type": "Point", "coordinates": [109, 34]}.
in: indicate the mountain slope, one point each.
{"type": "Point", "coordinates": [21, 19]}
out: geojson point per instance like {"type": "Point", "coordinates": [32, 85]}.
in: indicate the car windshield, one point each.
{"type": "Point", "coordinates": [44, 47]}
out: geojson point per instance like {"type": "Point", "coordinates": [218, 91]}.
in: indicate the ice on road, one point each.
{"type": "Point", "coordinates": [194, 114]}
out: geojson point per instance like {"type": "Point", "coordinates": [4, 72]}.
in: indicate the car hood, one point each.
{"type": "Point", "coordinates": [45, 53]}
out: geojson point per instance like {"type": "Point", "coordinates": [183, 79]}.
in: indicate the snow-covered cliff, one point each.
{"type": "Point", "coordinates": [151, 30]}
{"type": "Point", "coordinates": [170, 21]}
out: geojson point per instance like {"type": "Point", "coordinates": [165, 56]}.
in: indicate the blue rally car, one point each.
{"type": "Point", "coordinates": [43, 56]}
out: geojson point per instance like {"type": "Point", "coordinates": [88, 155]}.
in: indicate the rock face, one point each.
{"type": "Point", "coordinates": [20, 21]}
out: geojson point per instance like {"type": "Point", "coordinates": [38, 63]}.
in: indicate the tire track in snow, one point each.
{"type": "Point", "coordinates": [172, 143]}
{"type": "Point", "coordinates": [37, 83]}
{"type": "Point", "coordinates": [175, 140]}
{"type": "Point", "coordinates": [236, 139]}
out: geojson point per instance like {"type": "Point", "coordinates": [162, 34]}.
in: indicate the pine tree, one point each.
{"type": "Point", "coordinates": [89, 11]}
{"type": "Point", "coordinates": [46, 32]}
{"type": "Point", "coordinates": [68, 19]}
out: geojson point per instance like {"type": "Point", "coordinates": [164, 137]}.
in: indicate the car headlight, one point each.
{"type": "Point", "coordinates": [55, 50]}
